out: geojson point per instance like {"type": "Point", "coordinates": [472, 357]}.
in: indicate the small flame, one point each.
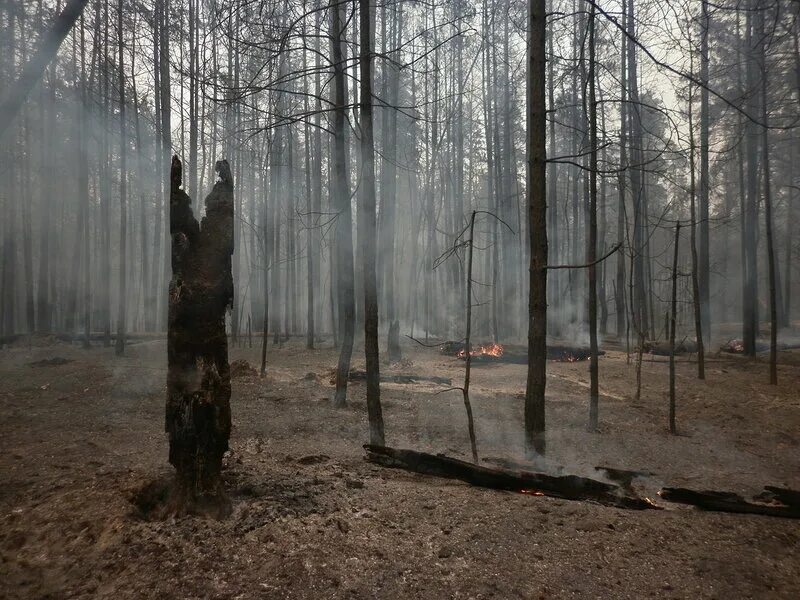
{"type": "Point", "coordinates": [493, 349]}
{"type": "Point", "coordinates": [532, 492]}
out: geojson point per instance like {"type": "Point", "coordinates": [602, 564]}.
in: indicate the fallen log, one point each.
{"type": "Point", "coordinates": [732, 503]}
{"type": "Point", "coordinates": [514, 354]}
{"type": "Point", "coordinates": [622, 477]}
{"type": "Point", "coordinates": [568, 487]}
{"type": "Point", "coordinates": [785, 495]}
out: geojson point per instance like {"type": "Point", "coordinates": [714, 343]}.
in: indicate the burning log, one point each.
{"type": "Point", "coordinates": [492, 349]}
{"type": "Point", "coordinates": [786, 503]}
{"type": "Point", "coordinates": [568, 487]}
{"type": "Point", "coordinates": [491, 352]}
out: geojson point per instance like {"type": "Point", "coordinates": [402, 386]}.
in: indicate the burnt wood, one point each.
{"type": "Point", "coordinates": [732, 503]}
{"type": "Point", "coordinates": [568, 487]}
{"type": "Point", "coordinates": [198, 413]}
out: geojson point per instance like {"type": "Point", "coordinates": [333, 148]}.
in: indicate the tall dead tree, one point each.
{"type": "Point", "coordinates": [198, 414]}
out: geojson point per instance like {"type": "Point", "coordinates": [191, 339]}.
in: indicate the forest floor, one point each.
{"type": "Point", "coordinates": [313, 519]}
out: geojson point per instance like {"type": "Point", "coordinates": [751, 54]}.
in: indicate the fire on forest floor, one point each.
{"type": "Point", "coordinates": [312, 518]}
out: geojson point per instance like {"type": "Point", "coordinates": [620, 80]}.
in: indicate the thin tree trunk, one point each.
{"type": "Point", "coordinates": [619, 292]}
{"type": "Point", "coordinates": [750, 325]}
{"type": "Point", "coordinates": [367, 229]}
{"type": "Point", "coordinates": [672, 322]}
{"type": "Point", "coordinates": [123, 194]}
{"type": "Point", "coordinates": [467, 345]}
{"type": "Point", "coordinates": [696, 297]}
{"type": "Point", "coordinates": [594, 386]}
{"type": "Point", "coordinates": [773, 306]}
{"type": "Point", "coordinates": [704, 265]}
{"type": "Point", "coordinates": [344, 219]}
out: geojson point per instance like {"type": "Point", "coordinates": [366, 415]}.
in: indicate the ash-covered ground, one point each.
{"type": "Point", "coordinates": [82, 435]}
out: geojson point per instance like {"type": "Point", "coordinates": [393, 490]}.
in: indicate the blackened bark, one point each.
{"type": "Point", "coordinates": [696, 294]}
{"type": "Point", "coordinates": [591, 255]}
{"type": "Point", "coordinates": [367, 230]}
{"type": "Point", "coordinates": [467, 346]}
{"type": "Point", "coordinates": [198, 414]}
{"type": "Point", "coordinates": [619, 291]}
{"type": "Point", "coordinates": [772, 269]}
{"type": "Point", "coordinates": [537, 214]}
{"type": "Point", "coordinates": [344, 218]}
{"type": "Point", "coordinates": [704, 264]}
{"type": "Point", "coordinates": [673, 317]}
{"type": "Point", "coordinates": [750, 308]}
{"type": "Point", "coordinates": [123, 195]}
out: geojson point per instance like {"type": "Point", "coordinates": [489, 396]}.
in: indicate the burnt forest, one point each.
{"type": "Point", "coordinates": [399, 299]}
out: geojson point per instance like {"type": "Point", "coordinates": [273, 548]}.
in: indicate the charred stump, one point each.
{"type": "Point", "coordinates": [198, 414]}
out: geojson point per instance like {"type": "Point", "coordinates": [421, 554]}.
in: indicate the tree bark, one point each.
{"type": "Point", "coordinates": [198, 415]}
{"type": "Point", "coordinates": [344, 218]}
{"type": "Point", "coordinates": [123, 194]}
{"type": "Point", "coordinates": [704, 264]}
{"type": "Point", "coordinates": [696, 296]}
{"type": "Point", "coordinates": [772, 272]}
{"type": "Point", "coordinates": [367, 229]}
{"type": "Point", "coordinates": [537, 215]}
{"type": "Point", "coordinates": [672, 323]}
{"type": "Point", "coordinates": [591, 255]}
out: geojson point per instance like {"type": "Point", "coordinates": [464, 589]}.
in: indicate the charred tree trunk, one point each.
{"type": "Point", "coordinates": [673, 316]}
{"type": "Point", "coordinates": [467, 347]}
{"type": "Point", "coordinates": [696, 293]}
{"type": "Point", "coordinates": [771, 267]}
{"type": "Point", "coordinates": [591, 255]}
{"type": "Point", "coordinates": [750, 309]}
{"type": "Point", "coordinates": [344, 218]}
{"type": "Point", "coordinates": [619, 291]}
{"type": "Point", "coordinates": [367, 229]}
{"type": "Point", "coordinates": [123, 195]}
{"type": "Point", "coordinates": [198, 414]}
{"type": "Point", "coordinates": [537, 231]}
{"type": "Point", "coordinates": [704, 264]}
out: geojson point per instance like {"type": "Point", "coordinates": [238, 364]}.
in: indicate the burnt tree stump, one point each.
{"type": "Point", "coordinates": [198, 413]}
